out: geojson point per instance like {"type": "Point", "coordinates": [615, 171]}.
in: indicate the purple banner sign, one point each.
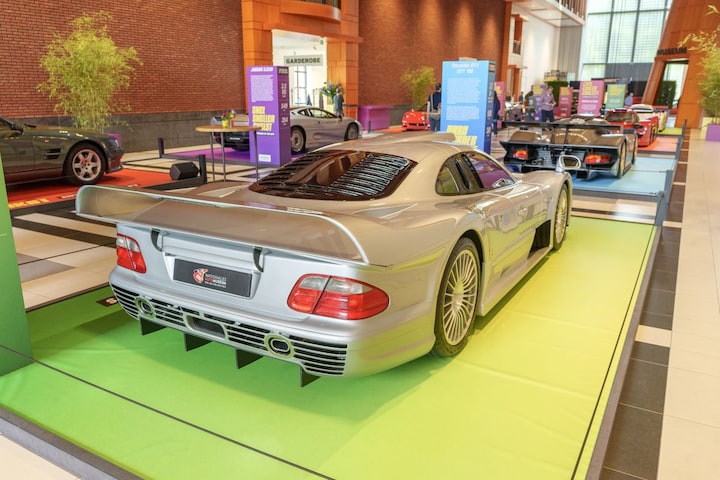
{"type": "Point", "coordinates": [269, 108]}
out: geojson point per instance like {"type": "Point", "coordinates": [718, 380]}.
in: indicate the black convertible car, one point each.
{"type": "Point", "coordinates": [34, 152]}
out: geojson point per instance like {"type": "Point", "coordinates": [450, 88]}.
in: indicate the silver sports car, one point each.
{"type": "Point", "coordinates": [310, 127]}
{"type": "Point", "coordinates": [350, 260]}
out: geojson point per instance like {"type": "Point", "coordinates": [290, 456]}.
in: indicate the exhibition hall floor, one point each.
{"type": "Point", "coordinates": [525, 400]}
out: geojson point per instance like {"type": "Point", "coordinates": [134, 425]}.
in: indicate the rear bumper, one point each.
{"type": "Point", "coordinates": [317, 353]}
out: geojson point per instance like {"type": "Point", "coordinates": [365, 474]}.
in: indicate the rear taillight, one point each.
{"type": "Point", "coordinates": [597, 158]}
{"type": "Point", "coordinates": [520, 154]}
{"type": "Point", "coordinates": [129, 255]}
{"type": "Point", "coordinates": [337, 297]}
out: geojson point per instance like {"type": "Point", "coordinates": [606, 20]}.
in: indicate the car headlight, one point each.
{"type": "Point", "coordinates": [113, 142]}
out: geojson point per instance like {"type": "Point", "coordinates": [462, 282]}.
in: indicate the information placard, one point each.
{"type": "Point", "coordinates": [615, 95]}
{"type": "Point", "coordinates": [591, 96]}
{"type": "Point", "coordinates": [467, 98]}
{"type": "Point", "coordinates": [269, 109]}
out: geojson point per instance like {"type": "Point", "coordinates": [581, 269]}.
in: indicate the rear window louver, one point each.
{"type": "Point", "coordinates": [337, 175]}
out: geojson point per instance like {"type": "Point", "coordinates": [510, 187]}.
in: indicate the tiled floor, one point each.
{"type": "Point", "coordinates": [668, 409]}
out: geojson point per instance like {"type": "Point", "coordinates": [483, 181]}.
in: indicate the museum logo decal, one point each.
{"type": "Point", "coordinates": [203, 277]}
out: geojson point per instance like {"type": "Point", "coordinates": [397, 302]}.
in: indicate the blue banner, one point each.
{"type": "Point", "coordinates": [467, 100]}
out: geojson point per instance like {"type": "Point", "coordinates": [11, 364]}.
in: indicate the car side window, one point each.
{"type": "Point", "coordinates": [445, 183]}
{"type": "Point", "coordinates": [490, 173]}
{"type": "Point", "coordinates": [456, 178]}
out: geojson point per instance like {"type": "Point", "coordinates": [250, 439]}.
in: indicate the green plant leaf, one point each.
{"type": "Point", "coordinates": [85, 71]}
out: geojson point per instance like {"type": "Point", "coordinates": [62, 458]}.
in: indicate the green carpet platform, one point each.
{"type": "Point", "coordinates": [525, 399]}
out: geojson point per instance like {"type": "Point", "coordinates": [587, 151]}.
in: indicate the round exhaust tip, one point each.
{"type": "Point", "coordinates": [145, 308]}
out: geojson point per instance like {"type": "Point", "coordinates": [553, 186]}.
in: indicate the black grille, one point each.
{"type": "Point", "coordinates": [337, 175]}
{"type": "Point", "coordinates": [318, 358]}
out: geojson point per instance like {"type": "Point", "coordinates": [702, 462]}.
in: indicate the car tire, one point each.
{"type": "Point", "coordinates": [352, 133]}
{"type": "Point", "coordinates": [85, 164]}
{"type": "Point", "coordinates": [457, 299]}
{"type": "Point", "coordinates": [562, 215]}
{"type": "Point", "coordinates": [622, 157]}
{"type": "Point", "coordinates": [297, 140]}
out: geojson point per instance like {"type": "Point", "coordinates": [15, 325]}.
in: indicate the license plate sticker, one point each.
{"type": "Point", "coordinates": [215, 278]}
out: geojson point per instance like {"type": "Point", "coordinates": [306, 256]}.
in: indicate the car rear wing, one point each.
{"type": "Point", "coordinates": [565, 126]}
{"type": "Point", "coordinates": [297, 231]}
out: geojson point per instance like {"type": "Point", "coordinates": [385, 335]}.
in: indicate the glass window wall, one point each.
{"type": "Point", "coordinates": [622, 35]}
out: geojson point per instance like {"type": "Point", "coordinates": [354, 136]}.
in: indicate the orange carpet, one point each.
{"type": "Point", "coordinates": [663, 144]}
{"type": "Point", "coordinates": [40, 193]}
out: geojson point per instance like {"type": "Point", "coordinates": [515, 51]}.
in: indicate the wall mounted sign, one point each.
{"type": "Point", "coordinates": [304, 61]}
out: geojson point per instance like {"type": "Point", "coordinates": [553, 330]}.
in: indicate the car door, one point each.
{"type": "Point", "coordinates": [327, 128]}
{"type": "Point", "coordinates": [512, 211]}
{"type": "Point", "coordinates": [16, 151]}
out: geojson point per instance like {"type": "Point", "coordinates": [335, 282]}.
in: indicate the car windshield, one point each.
{"type": "Point", "coordinates": [337, 175]}
{"type": "Point", "coordinates": [625, 117]}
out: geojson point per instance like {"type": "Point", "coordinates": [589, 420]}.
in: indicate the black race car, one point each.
{"type": "Point", "coordinates": [599, 146]}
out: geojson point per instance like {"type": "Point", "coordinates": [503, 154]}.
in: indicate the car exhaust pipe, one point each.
{"type": "Point", "coordinates": [279, 345]}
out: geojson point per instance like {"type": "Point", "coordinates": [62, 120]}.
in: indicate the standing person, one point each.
{"type": "Point", "coordinates": [547, 105]}
{"type": "Point", "coordinates": [496, 111]}
{"type": "Point", "coordinates": [434, 107]}
{"type": "Point", "coordinates": [338, 102]}
{"type": "Point", "coordinates": [629, 100]}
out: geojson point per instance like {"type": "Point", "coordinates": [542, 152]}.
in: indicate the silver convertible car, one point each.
{"type": "Point", "coordinates": [350, 260]}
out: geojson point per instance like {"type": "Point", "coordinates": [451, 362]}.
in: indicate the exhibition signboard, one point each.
{"type": "Point", "coordinates": [615, 95]}
{"type": "Point", "coordinates": [591, 97]}
{"type": "Point", "coordinates": [269, 109]}
{"type": "Point", "coordinates": [467, 99]}
{"type": "Point", "coordinates": [565, 101]}
{"type": "Point", "coordinates": [15, 349]}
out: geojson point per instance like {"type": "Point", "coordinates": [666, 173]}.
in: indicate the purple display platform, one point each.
{"type": "Point", "coordinates": [712, 134]}
{"type": "Point", "coordinates": [374, 117]}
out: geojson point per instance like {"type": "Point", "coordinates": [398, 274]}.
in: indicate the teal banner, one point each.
{"type": "Point", "coordinates": [15, 349]}
{"type": "Point", "coordinates": [615, 95]}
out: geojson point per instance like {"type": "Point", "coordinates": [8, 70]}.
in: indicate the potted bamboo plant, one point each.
{"type": "Point", "coordinates": [417, 82]}
{"type": "Point", "coordinates": [85, 71]}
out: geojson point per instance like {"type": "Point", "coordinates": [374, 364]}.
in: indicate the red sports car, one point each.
{"type": "Point", "coordinates": [416, 119]}
{"type": "Point", "coordinates": [647, 129]}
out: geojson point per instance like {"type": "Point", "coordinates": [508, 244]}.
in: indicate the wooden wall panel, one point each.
{"type": "Point", "coordinates": [688, 16]}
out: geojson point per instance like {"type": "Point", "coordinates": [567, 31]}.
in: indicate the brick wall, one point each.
{"type": "Point", "coordinates": [192, 54]}
{"type": "Point", "coordinates": [406, 34]}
